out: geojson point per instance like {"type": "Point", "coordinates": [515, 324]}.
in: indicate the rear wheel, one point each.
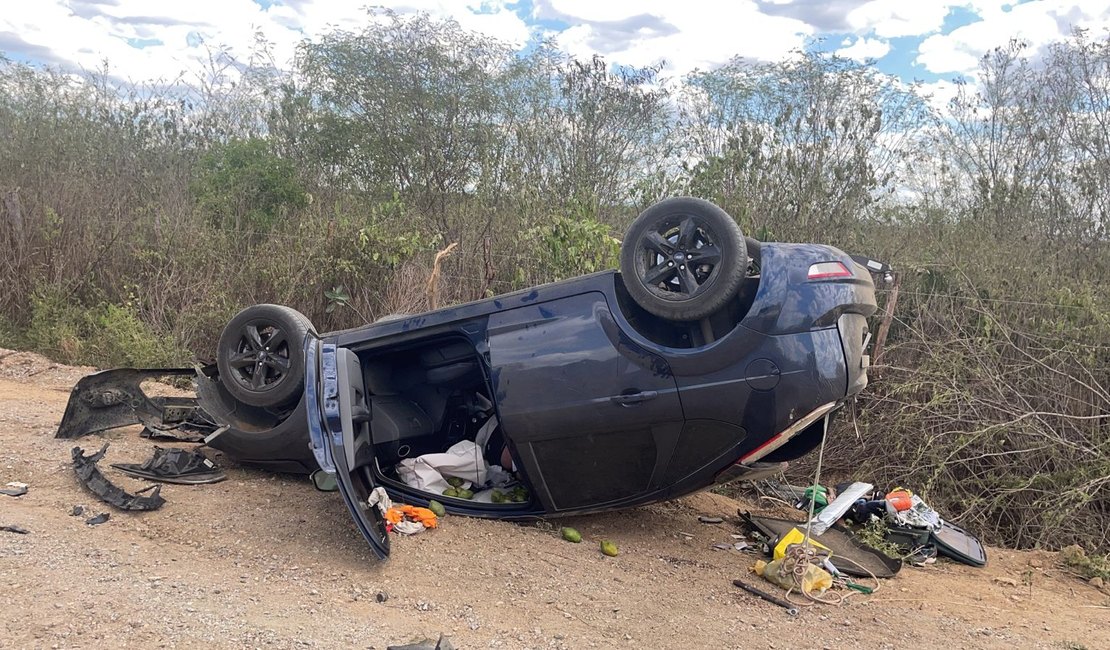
{"type": "Point", "coordinates": [683, 259]}
{"type": "Point", "coordinates": [260, 355]}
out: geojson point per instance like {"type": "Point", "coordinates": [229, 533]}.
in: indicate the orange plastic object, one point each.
{"type": "Point", "coordinates": [899, 500]}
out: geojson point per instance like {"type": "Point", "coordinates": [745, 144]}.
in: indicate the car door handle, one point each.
{"type": "Point", "coordinates": [634, 398]}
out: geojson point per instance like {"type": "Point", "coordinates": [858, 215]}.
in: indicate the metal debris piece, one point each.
{"type": "Point", "coordinates": [89, 475]}
{"type": "Point", "coordinates": [710, 520]}
{"type": "Point", "coordinates": [77, 511]}
{"type": "Point", "coordinates": [790, 608]}
{"type": "Point", "coordinates": [11, 528]}
{"type": "Point", "coordinates": [99, 519]}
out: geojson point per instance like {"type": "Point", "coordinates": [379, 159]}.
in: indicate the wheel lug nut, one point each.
{"type": "Point", "coordinates": [682, 267]}
{"type": "Point", "coordinates": [670, 263]}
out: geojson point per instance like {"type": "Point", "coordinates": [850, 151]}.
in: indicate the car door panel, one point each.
{"type": "Point", "coordinates": [590, 423]}
{"type": "Point", "coordinates": [346, 418]}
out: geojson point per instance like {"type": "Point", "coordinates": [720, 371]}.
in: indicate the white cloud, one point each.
{"type": "Point", "coordinates": [684, 36]}
{"type": "Point", "coordinates": [1039, 22]}
{"type": "Point", "coordinates": [85, 33]}
{"type": "Point", "coordinates": [864, 49]}
{"type": "Point", "coordinates": [894, 18]}
{"type": "Point", "coordinates": [940, 94]}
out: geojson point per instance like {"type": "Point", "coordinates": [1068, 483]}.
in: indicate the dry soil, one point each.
{"type": "Point", "coordinates": [264, 561]}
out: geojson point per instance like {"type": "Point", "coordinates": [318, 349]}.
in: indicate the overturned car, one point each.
{"type": "Point", "coordinates": [708, 357]}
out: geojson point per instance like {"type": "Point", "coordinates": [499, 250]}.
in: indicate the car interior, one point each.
{"type": "Point", "coordinates": [425, 398]}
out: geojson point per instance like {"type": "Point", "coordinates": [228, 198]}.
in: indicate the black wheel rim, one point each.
{"type": "Point", "coordinates": [678, 258]}
{"type": "Point", "coordinates": [261, 358]}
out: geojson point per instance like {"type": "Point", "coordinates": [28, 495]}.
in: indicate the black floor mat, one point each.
{"type": "Point", "coordinates": [842, 543]}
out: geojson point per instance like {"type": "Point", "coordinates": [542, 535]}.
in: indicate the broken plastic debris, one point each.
{"type": "Point", "coordinates": [175, 465]}
{"type": "Point", "coordinates": [99, 519]}
{"type": "Point", "coordinates": [15, 489]}
{"type": "Point", "coordinates": [77, 511]}
{"type": "Point", "coordinates": [426, 644]}
{"type": "Point", "coordinates": [89, 475]}
{"type": "Point", "coordinates": [11, 528]}
{"type": "Point", "coordinates": [710, 520]}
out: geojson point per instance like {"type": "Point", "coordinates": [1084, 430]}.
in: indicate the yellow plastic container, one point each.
{"type": "Point", "coordinates": [795, 536]}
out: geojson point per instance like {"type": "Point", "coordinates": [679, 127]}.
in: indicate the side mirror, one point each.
{"type": "Point", "coordinates": [324, 481]}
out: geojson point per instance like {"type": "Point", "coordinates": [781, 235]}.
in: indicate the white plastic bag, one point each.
{"type": "Point", "coordinates": [428, 472]}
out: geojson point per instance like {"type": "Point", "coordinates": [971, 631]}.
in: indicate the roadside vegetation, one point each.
{"type": "Point", "coordinates": [136, 220]}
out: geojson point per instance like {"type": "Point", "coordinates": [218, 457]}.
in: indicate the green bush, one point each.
{"type": "Point", "coordinates": [243, 185]}
{"type": "Point", "coordinates": [571, 246]}
{"type": "Point", "coordinates": [103, 335]}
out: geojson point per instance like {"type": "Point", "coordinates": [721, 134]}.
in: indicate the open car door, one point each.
{"type": "Point", "coordinates": [340, 397]}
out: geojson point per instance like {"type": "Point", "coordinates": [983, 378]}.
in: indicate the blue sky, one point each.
{"type": "Point", "coordinates": [933, 41]}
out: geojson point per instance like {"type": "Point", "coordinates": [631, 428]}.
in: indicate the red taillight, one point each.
{"type": "Point", "coordinates": [824, 270]}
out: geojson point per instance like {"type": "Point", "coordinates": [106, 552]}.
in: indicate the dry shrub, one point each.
{"type": "Point", "coordinates": [994, 399]}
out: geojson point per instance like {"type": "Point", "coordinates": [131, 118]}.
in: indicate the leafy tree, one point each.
{"type": "Point", "coordinates": [800, 147]}
{"type": "Point", "coordinates": [242, 185]}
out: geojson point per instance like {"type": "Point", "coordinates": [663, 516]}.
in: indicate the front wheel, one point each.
{"type": "Point", "coordinates": [260, 355]}
{"type": "Point", "coordinates": [683, 259]}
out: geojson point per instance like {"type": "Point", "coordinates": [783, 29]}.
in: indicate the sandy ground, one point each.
{"type": "Point", "coordinates": [264, 561]}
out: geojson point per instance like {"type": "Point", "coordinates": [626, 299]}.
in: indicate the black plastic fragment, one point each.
{"type": "Point", "coordinates": [99, 519]}
{"type": "Point", "coordinates": [15, 491]}
{"type": "Point", "coordinates": [175, 465]}
{"type": "Point", "coordinates": [115, 398]}
{"type": "Point", "coordinates": [11, 528]}
{"type": "Point", "coordinates": [89, 475]}
{"type": "Point", "coordinates": [426, 644]}
{"type": "Point", "coordinates": [77, 511]}
{"type": "Point", "coordinates": [181, 433]}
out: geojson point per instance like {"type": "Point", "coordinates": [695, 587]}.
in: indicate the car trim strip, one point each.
{"type": "Point", "coordinates": [782, 438]}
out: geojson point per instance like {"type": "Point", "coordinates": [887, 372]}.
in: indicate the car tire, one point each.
{"type": "Point", "coordinates": [755, 255]}
{"type": "Point", "coordinates": [260, 355]}
{"type": "Point", "coordinates": [683, 259]}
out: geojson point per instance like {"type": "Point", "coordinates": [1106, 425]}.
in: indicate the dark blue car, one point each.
{"type": "Point", "coordinates": [706, 358]}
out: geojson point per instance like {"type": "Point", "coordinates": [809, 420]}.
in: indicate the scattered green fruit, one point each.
{"type": "Point", "coordinates": [571, 535]}
{"type": "Point", "coordinates": [437, 507]}
{"type": "Point", "coordinates": [608, 548]}
{"type": "Point", "coordinates": [451, 492]}
{"type": "Point", "coordinates": [464, 494]}
{"type": "Point", "coordinates": [454, 481]}
{"type": "Point", "coordinates": [497, 496]}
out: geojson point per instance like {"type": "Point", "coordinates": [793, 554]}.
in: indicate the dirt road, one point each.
{"type": "Point", "coordinates": [264, 561]}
